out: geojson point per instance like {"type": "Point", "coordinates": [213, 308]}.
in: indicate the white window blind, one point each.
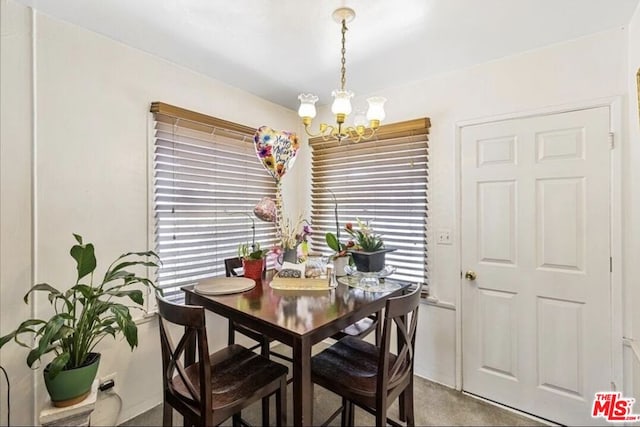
{"type": "Point", "coordinates": [383, 181]}
{"type": "Point", "coordinates": [207, 180]}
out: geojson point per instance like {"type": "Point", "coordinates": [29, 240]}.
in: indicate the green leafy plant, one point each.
{"type": "Point", "coordinates": [364, 238]}
{"type": "Point", "coordinates": [333, 240]}
{"type": "Point", "coordinates": [87, 312]}
{"type": "Point", "coordinates": [339, 249]}
{"type": "Point", "coordinates": [246, 251]}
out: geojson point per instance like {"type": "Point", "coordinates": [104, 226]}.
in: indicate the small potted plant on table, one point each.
{"type": "Point", "coordinates": [252, 260]}
{"type": "Point", "coordinates": [83, 315]}
{"type": "Point", "coordinates": [340, 257]}
{"type": "Point", "coordinates": [368, 250]}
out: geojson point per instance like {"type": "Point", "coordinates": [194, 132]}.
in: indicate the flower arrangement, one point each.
{"type": "Point", "coordinates": [340, 249]}
{"type": "Point", "coordinates": [292, 234]}
{"type": "Point", "coordinates": [364, 239]}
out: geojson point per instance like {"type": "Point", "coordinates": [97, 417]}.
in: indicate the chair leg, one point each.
{"type": "Point", "coordinates": [408, 405]}
{"type": "Point", "coordinates": [265, 411]}
{"type": "Point", "coordinates": [264, 351]}
{"type": "Point", "coordinates": [281, 404]}
{"type": "Point", "coordinates": [237, 420]}
{"type": "Point", "coordinates": [381, 416]}
{"type": "Point", "coordinates": [348, 413]}
{"type": "Point", "coordinates": [167, 415]}
{"type": "Point", "coordinates": [231, 334]}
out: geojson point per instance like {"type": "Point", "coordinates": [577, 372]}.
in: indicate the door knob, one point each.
{"type": "Point", "coordinates": [470, 275]}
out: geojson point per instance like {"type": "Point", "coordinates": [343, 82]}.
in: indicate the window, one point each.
{"type": "Point", "coordinates": [206, 181]}
{"type": "Point", "coordinates": [384, 181]}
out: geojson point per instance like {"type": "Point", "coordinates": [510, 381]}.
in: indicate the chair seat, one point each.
{"type": "Point", "coordinates": [237, 374]}
{"type": "Point", "coordinates": [350, 365]}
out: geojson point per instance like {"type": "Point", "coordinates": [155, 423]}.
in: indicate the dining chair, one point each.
{"type": "Point", "coordinates": [362, 328]}
{"type": "Point", "coordinates": [373, 377]}
{"type": "Point", "coordinates": [215, 386]}
{"type": "Point", "coordinates": [230, 265]}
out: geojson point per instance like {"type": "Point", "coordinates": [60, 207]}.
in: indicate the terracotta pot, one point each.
{"type": "Point", "coordinates": [253, 268]}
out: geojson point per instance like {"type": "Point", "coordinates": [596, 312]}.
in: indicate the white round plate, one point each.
{"type": "Point", "coordinates": [224, 285]}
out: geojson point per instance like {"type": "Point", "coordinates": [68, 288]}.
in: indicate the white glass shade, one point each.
{"type": "Point", "coordinates": [307, 105]}
{"type": "Point", "coordinates": [376, 108]}
{"type": "Point", "coordinates": [360, 120]}
{"type": "Point", "coordinates": [341, 102]}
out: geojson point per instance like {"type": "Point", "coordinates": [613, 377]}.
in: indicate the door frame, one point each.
{"type": "Point", "coordinates": [615, 214]}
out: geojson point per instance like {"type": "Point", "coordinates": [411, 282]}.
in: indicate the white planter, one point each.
{"type": "Point", "coordinates": [339, 264]}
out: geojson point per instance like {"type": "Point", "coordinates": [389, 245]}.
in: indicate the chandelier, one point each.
{"type": "Point", "coordinates": [341, 106]}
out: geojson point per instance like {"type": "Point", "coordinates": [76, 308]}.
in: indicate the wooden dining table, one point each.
{"type": "Point", "coordinates": [298, 319]}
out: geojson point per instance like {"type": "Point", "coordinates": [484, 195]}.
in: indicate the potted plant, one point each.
{"type": "Point", "coordinates": [368, 250]}
{"type": "Point", "coordinates": [83, 315]}
{"type": "Point", "coordinates": [340, 256]}
{"type": "Point", "coordinates": [292, 235]}
{"type": "Point", "coordinates": [252, 259]}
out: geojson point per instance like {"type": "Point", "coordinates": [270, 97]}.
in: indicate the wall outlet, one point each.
{"type": "Point", "coordinates": [443, 236]}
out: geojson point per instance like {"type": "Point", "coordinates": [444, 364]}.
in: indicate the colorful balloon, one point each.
{"type": "Point", "coordinates": [276, 150]}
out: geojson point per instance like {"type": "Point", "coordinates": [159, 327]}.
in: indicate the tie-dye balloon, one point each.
{"type": "Point", "coordinates": [276, 150]}
{"type": "Point", "coordinates": [266, 210]}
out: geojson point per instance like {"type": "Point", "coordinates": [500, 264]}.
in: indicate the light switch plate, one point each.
{"type": "Point", "coordinates": [443, 236]}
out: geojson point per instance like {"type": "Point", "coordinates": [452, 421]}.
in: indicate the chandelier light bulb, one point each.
{"type": "Point", "coordinates": [341, 102]}
{"type": "Point", "coordinates": [376, 108]}
{"type": "Point", "coordinates": [307, 105]}
{"type": "Point", "coordinates": [360, 120]}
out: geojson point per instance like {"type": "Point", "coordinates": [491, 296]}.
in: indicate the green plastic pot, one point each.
{"type": "Point", "coordinates": [73, 385]}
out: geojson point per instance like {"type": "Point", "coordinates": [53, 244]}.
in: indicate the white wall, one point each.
{"type": "Point", "coordinates": [631, 197]}
{"type": "Point", "coordinates": [585, 69]}
{"type": "Point", "coordinates": [15, 198]}
{"type": "Point", "coordinates": [92, 97]}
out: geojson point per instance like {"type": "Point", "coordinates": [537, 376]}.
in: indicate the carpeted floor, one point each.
{"type": "Point", "coordinates": [435, 405]}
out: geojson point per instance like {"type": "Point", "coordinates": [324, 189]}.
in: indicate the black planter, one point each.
{"type": "Point", "coordinates": [370, 262]}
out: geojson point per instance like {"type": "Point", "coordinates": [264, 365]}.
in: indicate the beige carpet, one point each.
{"type": "Point", "coordinates": [435, 405]}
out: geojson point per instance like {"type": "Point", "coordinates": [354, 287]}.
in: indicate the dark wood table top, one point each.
{"type": "Point", "coordinates": [296, 313]}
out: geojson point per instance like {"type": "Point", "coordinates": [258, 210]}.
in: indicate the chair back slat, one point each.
{"type": "Point", "coordinates": [230, 265]}
{"type": "Point", "coordinates": [402, 312]}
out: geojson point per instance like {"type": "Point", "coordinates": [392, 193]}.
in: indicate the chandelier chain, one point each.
{"type": "Point", "coordinates": [343, 51]}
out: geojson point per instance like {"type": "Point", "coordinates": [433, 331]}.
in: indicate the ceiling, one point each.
{"type": "Point", "coordinates": [279, 48]}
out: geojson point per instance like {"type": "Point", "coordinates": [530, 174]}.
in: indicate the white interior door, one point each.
{"type": "Point", "coordinates": [536, 321]}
